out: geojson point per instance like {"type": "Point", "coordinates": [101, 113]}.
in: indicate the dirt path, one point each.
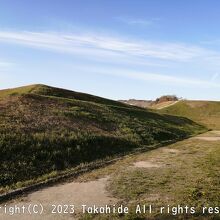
{"type": "Point", "coordinates": [210, 136]}
{"type": "Point", "coordinates": [77, 193]}
{"type": "Point", "coordinates": [165, 104]}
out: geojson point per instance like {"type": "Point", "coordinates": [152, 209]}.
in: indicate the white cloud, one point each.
{"type": "Point", "coordinates": [137, 21]}
{"type": "Point", "coordinates": [5, 64]}
{"type": "Point", "coordinates": [102, 46]}
{"type": "Point", "coordinates": [152, 77]}
{"type": "Point", "coordinates": [214, 76]}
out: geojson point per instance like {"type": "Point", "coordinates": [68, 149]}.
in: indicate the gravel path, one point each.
{"type": "Point", "coordinates": [73, 193]}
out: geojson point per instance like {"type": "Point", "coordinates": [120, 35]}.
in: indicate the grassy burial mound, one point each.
{"type": "Point", "coordinates": [45, 129]}
{"type": "Point", "coordinates": [203, 112]}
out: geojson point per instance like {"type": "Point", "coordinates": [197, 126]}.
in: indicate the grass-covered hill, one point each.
{"type": "Point", "coordinates": [202, 112]}
{"type": "Point", "coordinates": [45, 129]}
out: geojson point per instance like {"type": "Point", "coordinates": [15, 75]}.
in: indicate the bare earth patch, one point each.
{"type": "Point", "coordinates": [170, 150]}
{"type": "Point", "coordinates": [153, 197]}
{"type": "Point", "coordinates": [76, 193]}
{"type": "Point", "coordinates": [209, 136]}
{"type": "Point", "coordinates": [215, 132]}
{"type": "Point", "coordinates": [147, 164]}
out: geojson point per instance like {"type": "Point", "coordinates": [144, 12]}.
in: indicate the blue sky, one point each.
{"type": "Point", "coordinates": [116, 49]}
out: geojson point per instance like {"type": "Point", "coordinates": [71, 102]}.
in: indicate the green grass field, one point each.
{"type": "Point", "coordinates": [187, 174]}
{"type": "Point", "coordinates": [44, 130]}
{"type": "Point", "coordinates": [203, 112]}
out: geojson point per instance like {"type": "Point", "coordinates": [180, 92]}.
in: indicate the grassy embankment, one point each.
{"type": "Point", "coordinates": [46, 130]}
{"type": "Point", "coordinates": [203, 112]}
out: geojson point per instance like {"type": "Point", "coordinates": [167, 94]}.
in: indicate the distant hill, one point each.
{"type": "Point", "coordinates": [158, 103]}
{"type": "Point", "coordinates": [203, 112]}
{"type": "Point", "coordinates": [45, 129]}
{"type": "Point", "coordinates": [139, 103]}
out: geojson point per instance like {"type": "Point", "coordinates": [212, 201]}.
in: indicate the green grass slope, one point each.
{"type": "Point", "coordinates": [45, 129]}
{"type": "Point", "coordinates": [203, 112]}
